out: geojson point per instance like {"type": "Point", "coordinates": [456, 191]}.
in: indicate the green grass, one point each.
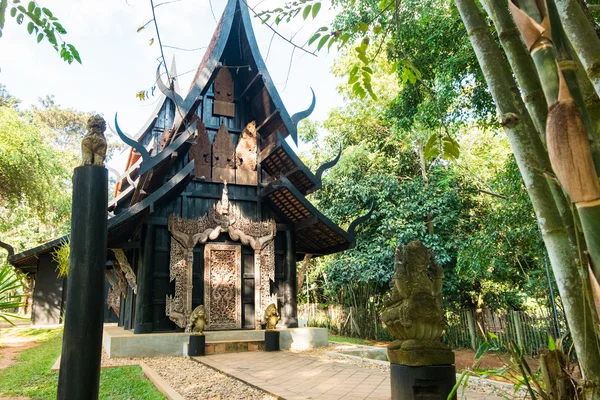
{"type": "Point", "coordinates": [351, 340]}
{"type": "Point", "coordinates": [31, 375]}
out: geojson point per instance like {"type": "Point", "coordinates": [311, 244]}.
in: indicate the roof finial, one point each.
{"type": "Point", "coordinates": [354, 224]}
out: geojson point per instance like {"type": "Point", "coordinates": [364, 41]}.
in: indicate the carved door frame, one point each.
{"type": "Point", "coordinates": [208, 287]}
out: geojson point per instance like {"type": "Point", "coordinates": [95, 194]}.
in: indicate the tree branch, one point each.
{"type": "Point", "coordinates": [279, 34]}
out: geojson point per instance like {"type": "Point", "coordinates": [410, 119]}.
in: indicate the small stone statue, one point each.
{"type": "Point", "coordinates": [271, 316]}
{"type": "Point", "coordinates": [413, 313]}
{"type": "Point", "coordinates": [93, 146]}
{"type": "Point", "coordinates": [197, 321]}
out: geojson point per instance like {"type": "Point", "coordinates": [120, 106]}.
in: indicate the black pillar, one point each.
{"type": "Point", "coordinates": [143, 303]}
{"type": "Point", "coordinates": [79, 375]}
{"type": "Point", "coordinates": [434, 382]}
{"type": "Point", "coordinates": [290, 303]}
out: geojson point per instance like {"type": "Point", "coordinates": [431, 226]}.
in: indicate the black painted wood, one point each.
{"type": "Point", "coordinates": [79, 375]}
{"type": "Point", "coordinates": [196, 345]}
{"type": "Point", "coordinates": [143, 305]}
{"type": "Point", "coordinates": [290, 306]}
{"type": "Point", "coordinates": [47, 293]}
{"type": "Point", "coordinates": [272, 340]}
{"type": "Point", "coordinates": [433, 382]}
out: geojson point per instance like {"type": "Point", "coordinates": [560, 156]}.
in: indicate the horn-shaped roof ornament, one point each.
{"type": "Point", "coordinates": [168, 91]}
{"type": "Point", "coordinates": [327, 165]}
{"type": "Point", "coordinates": [361, 219]}
{"type": "Point", "coordinates": [133, 143]}
{"type": "Point", "coordinates": [299, 116]}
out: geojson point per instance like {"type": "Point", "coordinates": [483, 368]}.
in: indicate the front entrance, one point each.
{"type": "Point", "coordinates": [222, 286]}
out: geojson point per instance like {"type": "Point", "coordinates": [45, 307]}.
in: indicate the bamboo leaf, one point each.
{"type": "Point", "coordinates": [306, 11]}
{"type": "Point", "coordinates": [315, 9]}
{"type": "Point", "coordinates": [3, 5]}
{"type": "Point", "coordinates": [313, 38]}
{"type": "Point", "coordinates": [322, 41]}
{"type": "Point", "coordinates": [483, 348]}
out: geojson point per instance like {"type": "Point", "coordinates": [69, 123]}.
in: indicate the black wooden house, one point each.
{"type": "Point", "coordinates": [211, 208]}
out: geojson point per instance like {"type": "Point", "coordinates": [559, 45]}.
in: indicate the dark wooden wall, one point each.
{"type": "Point", "coordinates": [47, 293]}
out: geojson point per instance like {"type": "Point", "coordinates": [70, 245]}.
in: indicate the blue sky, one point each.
{"type": "Point", "coordinates": [118, 62]}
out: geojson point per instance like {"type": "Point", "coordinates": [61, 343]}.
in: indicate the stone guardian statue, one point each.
{"type": "Point", "coordinates": [413, 313]}
{"type": "Point", "coordinates": [93, 146]}
{"type": "Point", "coordinates": [271, 316]}
{"type": "Point", "coordinates": [197, 321]}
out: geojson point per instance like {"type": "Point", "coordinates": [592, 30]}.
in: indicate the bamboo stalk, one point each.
{"type": "Point", "coordinates": [533, 95]}
{"type": "Point", "coordinates": [531, 156]}
{"type": "Point", "coordinates": [583, 37]}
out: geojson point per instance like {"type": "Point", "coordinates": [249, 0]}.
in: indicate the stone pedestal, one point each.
{"type": "Point", "coordinates": [197, 345]}
{"type": "Point", "coordinates": [434, 382]}
{"type": "Point", "coordinates": [271, 340]}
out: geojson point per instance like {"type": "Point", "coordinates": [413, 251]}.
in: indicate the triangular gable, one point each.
{"type": "Point", "coordinates": [235, 29]}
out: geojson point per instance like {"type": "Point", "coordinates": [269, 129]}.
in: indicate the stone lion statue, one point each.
{"type": "Point", "coordinates": [93, 146]}
{"type": "Point", "coordinates": [413, 312]}
{"type": "Point", "coordinates": [197, 321]}
{"type": "Point", "coordinates": [271, 316]}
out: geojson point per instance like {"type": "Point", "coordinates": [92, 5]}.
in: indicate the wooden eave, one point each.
{"type": "Point", "coordinates": [120, 227]}
{"type": "Point", "coordinates": [315, 233]}
{"type": "Point", "coordinates": [277, 158]}
{"type": "Point", "coordinates": [236, 19]}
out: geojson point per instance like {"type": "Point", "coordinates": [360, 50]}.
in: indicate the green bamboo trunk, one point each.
{"type": "Point", "coordinates": [529, 152]}
{"type": "Point", "coordinates": [583, 37]}
{"type": "Point", "coordinates": [521, 63]}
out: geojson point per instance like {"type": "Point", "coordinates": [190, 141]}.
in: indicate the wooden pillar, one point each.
{"type": "Point", "coordinates": [79, 376]}
{"type": "Point", "coordinates": [290, 304]}
{"type": "Point", "coordinates": [143, 304]}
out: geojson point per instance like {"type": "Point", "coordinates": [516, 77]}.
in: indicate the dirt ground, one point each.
{"type": "Point", "coordinates": [11, 344]}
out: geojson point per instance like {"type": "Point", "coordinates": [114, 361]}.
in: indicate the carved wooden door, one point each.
{"type": "Point", "coordinates": [222, 286]}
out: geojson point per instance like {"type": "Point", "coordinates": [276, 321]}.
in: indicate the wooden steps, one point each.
{"type": "Point", "coordinates": [233, 346]}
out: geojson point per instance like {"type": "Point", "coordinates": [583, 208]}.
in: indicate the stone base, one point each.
{"type": "Point", "coordinates": [420, 353]}
{"type": "Point", "coordinates": [434, 382]}
{"type": "Point", "coordinates": [197, 343]}
{"type": "Point", "coordinates": [119, 342]}
{"type": "Point", "coordinates": [271, 340]}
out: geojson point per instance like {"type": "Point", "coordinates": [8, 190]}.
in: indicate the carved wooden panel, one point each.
{"type": "Point", "coordinates": [223, 286]}
{"type": "Point", "coordinates": [223, 155]}
{"type": "Point", "coordinates": [201, 153]}
{"type": "Point", "coordinates": [223, 89]}
{"type": "Point", "coordinates": [245, 157]}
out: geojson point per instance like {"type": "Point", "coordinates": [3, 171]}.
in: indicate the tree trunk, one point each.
{"type": "Point", "coordinates": [583, 37]}
{"type": "Point", "coordinates": [532, 160]}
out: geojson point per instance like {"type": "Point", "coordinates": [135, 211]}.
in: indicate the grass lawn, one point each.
{"type": "Point", "coordinates": [351, 340]}
{"type": "Point", "coordinates": [31, 375]}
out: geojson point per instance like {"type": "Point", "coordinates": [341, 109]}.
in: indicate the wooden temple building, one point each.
{"type": "Point", "coordinates": [212, 206]}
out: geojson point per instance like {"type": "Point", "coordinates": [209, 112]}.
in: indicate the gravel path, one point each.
{"type": "Point", "coordinates": [193, 380]}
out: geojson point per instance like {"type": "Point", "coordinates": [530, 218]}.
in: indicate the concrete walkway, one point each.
{"type": "Point", "coordinates": [294, 376]}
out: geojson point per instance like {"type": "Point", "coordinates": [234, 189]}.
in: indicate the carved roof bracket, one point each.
{"type": "Point", "coordinates": [361, 219]}
{"type": "Point", "coordinates": [328, 165]}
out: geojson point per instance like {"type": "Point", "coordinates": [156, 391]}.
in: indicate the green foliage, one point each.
{"type": "Point", "coordinates": [31, 375]}
{"type": "Point", "coordinates": [61, 257]}
{"type": "Point", "coordinates": [42, 24]}
{"type": "Point", "coordinates": [10, 286]}
{"type": "Point", "coordinates": [30, 172]}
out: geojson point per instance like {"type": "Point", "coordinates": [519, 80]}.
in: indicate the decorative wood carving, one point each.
{"type": "Point", "coordinates": [267, 275]}
{"type": "Point", "coordinates": [165, 138]}
{"type": "Point", "coordinates": [179, 307]}
{"type": "Point", "coordinates": [246, 157]}
{"type": "Point", "coordinates": [223, 286]}
{"type": "Point", "coordinates": [120, 279]}
{"type": "Point", "coordinates": [113, 297]}
{"type": "Point", "coordinates": [122, 264]}
{"type": "Point", "coordinates": [223, 155]}
{"type": "Point", "coordinates": [201, 153]}
{"type": "Point", "coordinates": [224, 95]}
{"type": "Point", "coordinates": [223, 217]}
